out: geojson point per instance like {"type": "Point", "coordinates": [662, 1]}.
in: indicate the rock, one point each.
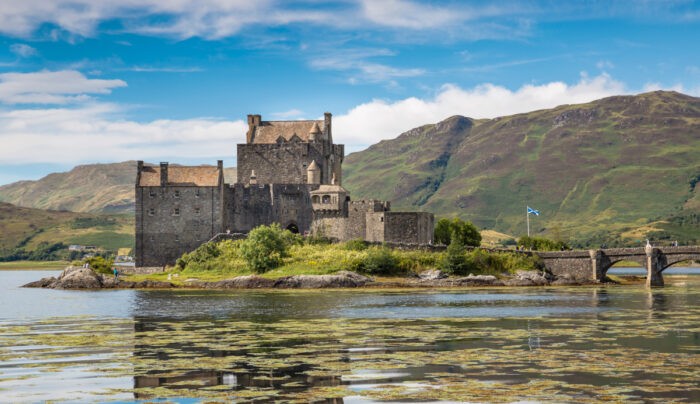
{"type": "Point", "coordinates": [566, 281]}
{"type": "Point", "coordinates": [108, 282]}
{"type": "Point", "coordinates": [534, 277]}
{"type": "Point", "coordinates": [478, 280]}
{"type": "Point", "coordinates": [77, 278]}
{"type": "Point", "coordinates": [149, 284]}
{"type": "Point", "coordinates": [343, 279]}
{"type": "Point", "coordinates": [432, 274]}
{"type": "Point", "coordinates": [240, 282]}
{"type": "Point", "coordinates": [519, 282]}
{"type": "Point", "coordinates": [42, 283]}
{"type": "Point", "coordinates": [482, 278]}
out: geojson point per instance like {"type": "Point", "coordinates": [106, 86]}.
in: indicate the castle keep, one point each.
{"type": "Point", "coordinates": [289, 172]}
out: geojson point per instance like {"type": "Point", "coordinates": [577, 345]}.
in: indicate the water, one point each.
{"type": "Point", "coordinates": [583, 344]}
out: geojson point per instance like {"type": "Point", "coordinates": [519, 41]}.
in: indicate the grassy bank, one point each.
{"type": "Point", "coordinates": [226, 259]}
{"type": "Point", "coordinates": [33, 265]}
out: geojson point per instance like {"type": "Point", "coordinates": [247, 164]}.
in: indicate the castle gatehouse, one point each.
{"type": "Point", "coordinates": [289, 172]}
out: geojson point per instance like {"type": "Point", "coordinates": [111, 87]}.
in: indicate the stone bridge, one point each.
{"type": "Point", "coordinates": [594, 264]}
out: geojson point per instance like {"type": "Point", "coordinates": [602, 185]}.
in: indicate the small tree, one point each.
{"type": "Point", "coordinates": [465, 231]}
{"type": "Point", "coordinates": [455, 259]}
{"type": "Point", "coordinates": [264, 248]}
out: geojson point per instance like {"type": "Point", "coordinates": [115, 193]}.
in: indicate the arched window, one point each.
{"type": "Point", "coordinates": [326, 199]}
{"type": "Point", "coordinates": [315, 199]}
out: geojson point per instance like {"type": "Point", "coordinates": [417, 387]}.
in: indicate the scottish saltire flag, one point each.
{"type": "Point", "coordinates": [533, 211]}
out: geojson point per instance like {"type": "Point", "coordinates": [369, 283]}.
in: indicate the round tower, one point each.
{"type": "Point", "coordinates": [313, 173]}
{"type": "Point", "coordinates": [314, 133]}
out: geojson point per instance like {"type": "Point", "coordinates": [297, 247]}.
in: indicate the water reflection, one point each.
{"type": "Point", "coordinates": [480, 345]}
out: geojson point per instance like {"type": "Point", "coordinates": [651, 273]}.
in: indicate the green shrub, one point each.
{"type": "Point", "coordinates": [542, 244]}
{"type": "Point", "coordinates": [465, 231]}
{"type": "Point", "coordinates": [455, 259]}
{"type": "Point", "coordinates": [379, 261]}
{"type": "Point", "coordinates": [203, 253]}
{"type": "Point", "coordinates": [264, 248]}
{"type": "Point", "coordinates": [100, 265]}
{"type": "Point", "coordinates": [357, 244]}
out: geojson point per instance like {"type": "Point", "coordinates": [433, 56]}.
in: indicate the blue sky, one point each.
{"type": "Point", "coordinates": [85, 81]}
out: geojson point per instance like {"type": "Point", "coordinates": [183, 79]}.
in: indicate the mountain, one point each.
{"type": "Point", "coordinates": [625, 166]}
{"type": "Point", "coordinates": [28, 227]}
{"type": "Point", "coordinates": [98, 188]}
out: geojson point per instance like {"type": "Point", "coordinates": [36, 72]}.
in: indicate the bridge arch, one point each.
{"type": "Point", "coordinates": [609, 262]}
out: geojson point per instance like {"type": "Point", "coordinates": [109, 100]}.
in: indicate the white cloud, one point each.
{"type": "Point", "coordinates": [377, 120]}
{"type": "Point", "coordinates": [292, 113]}
{"type": "Point", "coordinates": [407, 14]}
{"type": "Point", "coordinates": [23, 50]}
{"type": "Point", "coordinates": [94, 131]}
{"type": "Point", "coordinates": [356, 61]}
{"type": "Point", "coordinates": [150, 69]}
{"type": "Point", "coordinates": [47, 87]}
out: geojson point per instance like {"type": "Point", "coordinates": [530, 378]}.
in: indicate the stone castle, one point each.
{"type": "Point", "coordinates": [289, 172]}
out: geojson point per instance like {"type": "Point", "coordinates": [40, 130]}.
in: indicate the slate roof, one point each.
{"type": "Point", "coordinates": [270, 131]}
{"type": "Point", "coordinates": [200, 176]}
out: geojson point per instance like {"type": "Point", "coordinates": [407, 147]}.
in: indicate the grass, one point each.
{"type": "Point", "coordinates": [32, 265]}
{"type": "Point", "coordinates": [224, 262]}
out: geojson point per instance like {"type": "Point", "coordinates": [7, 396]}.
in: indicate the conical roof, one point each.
{"type": "Point", "coordinates": [313, 166]}
{"type": "Point", "coordinates": [315, 129]}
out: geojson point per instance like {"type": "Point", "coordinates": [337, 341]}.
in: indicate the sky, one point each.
{"type": "Point", "coordinates": [88, 81]}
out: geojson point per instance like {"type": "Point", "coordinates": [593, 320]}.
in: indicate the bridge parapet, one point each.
{"type": "Point", "coordinates": [594, 264]}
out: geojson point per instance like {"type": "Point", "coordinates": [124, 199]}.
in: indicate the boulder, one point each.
{"type": "Point", "coordinates": [108, 282]}
{"type": "Point", "coordinates": [432, 274]}
{"type": "Point", "coordinates": [343, 279]}
{"type": "Point", "coordinates": [42, 283]}
{"type": "Point", "coordinates": [149, 284]}
{"type": "Point", "coordinates": [535, 277]}
{"type": "Point", "coordinates": [239, 282]}
{"type": "Point", "coordinates": [471, 280]}
{"type": "Point", "coordinates": [77, 278]}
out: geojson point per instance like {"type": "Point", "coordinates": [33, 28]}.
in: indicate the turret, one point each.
{"type": "Point", "coordinates": [313, 173]}
{"type": "Point", "coordinates": [314, 133]}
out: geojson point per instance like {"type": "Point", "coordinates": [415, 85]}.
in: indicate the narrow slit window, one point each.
{"type": "Point", "coordinates": [177, 194]}
{"type": "Point", "coordinates": [151, 212]}
{"type": "Point", "coordinates": [176, 212]}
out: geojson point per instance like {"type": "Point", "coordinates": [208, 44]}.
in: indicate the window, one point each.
{"type": "Point", "coordinates": [151, 212]}
{"type": "Point", "coordinates": [177, 194]}
{"type": "Point", "coordinates": [326, 199]}
{"type": "Point", "coordinates": [196, 193]}
{"type": "Point", "coordinates": [315, 199]}
{"type": "Point", "coordinates": [177, 238]}
{"type": "Point", "coordinates": [152, 193]}
{"type": "Point", "coordinates": [196, 211]}
{"type": "Point", "coordinates": [176, 212]}
{"type": "Point", "coordinates": [153, 238]}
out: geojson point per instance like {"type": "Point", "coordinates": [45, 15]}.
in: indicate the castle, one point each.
{"type": "Point", "coordinates": [289, 172]}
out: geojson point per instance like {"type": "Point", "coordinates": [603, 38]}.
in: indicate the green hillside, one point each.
{"type": "Point", "coordinates": [97, 188]}
{"type": "Point", "coordinates": [620, 165]}
{"type": "Point", "coordinates": [30, 229]}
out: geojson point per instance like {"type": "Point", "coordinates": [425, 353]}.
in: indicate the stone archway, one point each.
{"type": "Point", "coordinates": [293, 228]}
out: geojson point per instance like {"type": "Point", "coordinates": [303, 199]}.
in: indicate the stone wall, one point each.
{"type": "Point", "coordinates": [400, 227]}
{"type": "Point", "coordinates": [282, 163]}
{"type": "Point", "coordinates": [249, 206]}
{"type": "Point", "coordinates": [173, 220]}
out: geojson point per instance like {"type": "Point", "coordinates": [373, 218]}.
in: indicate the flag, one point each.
{"type": "Point", "coordinates": [533, 211]}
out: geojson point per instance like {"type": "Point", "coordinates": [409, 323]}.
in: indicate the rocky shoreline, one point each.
{"type": "Point", "coordinates": [85, 278]}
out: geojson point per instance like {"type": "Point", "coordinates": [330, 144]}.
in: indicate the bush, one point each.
{"type": "Point", "coordinates": [455, 260]}
{"type": "Point", "coordinates": [542, 244]}
{"type": "Point", "coordinates": [357, 244]}
{"type": "Point", "coordinates": [379, 261]}
{"type": "Point", "coordinates": [100, 265]}
{"type": "Point", "coordinates": [203, 253]}
{"type": "Point", "coordinates": [465, 231]}
{"type": "Point", "coordinates": [264, 248]}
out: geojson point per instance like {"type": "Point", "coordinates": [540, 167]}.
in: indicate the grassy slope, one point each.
{"type": "Point", "coordinates": [614, 164]}
{"type": "Point", "coordinates": [97, 188]}
{"type": "Point", "coordinates": [28, 227]}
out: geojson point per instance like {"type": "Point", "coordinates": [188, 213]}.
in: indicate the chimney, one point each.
{"type": "Point", "coordinates": [163, 174]}
{"type": "Point", "coordinates": [220, 164]}
{"type": "Point", "coordinates": [139, 165]}
{"type": "Point", "coordinates": [327, 126]}
{"type": "Point", "coordinates": [253, 121]}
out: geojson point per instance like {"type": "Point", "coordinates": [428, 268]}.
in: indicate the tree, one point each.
{"type": "Point", "coordinates": [465, 231]}
{"type": "Point", "coordinates": [542, 244]}
{"type": "Point", "coordinates": [455, 259]}
{"type": "Point", "coordinates": [264, 248]}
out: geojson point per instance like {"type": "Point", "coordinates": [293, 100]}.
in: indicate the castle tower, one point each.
{"type": "Point", "coordinates": [314, 133]}
{"type": "Point", "coordinates": [313, 173]}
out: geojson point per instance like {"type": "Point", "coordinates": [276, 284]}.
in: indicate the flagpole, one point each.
{"type": "Point", "coordinates": [527, 213]}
